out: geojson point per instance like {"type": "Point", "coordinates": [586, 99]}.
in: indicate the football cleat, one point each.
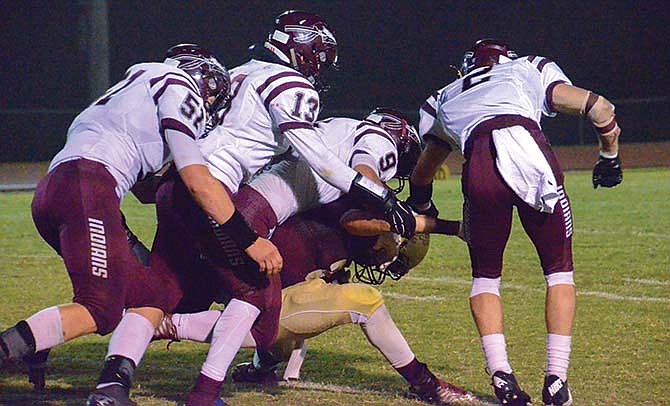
{"type": "Point", "coordinates": [113, 395]}
{"type": "Point", "coordinates": [507, 390]}
{"type": "Point", "coordinates": [36, 369]}
{"type": "Point", "coordinates": [248, 373]}
{"type": "Point", "coordinates": [438, 392]}
{"type": "Point", "coordinates": [556, 392]}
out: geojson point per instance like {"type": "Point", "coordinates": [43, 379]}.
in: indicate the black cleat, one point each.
{"type": "Point", "coordinates": [439, 392]}
{"type": "Point", "coordinates": [36, 368]}
{"type": "Point", "coordinates": [507, 390]}
{"type": "Point", "coordinates": [556, 392]}
{"type": "Point", "coordinates": [113, 395]}
{"type": "Point", "coordinates": [248, 373]}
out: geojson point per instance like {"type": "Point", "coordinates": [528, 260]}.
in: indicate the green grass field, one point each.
{"type": "Point", "coordinates": [621, 344]}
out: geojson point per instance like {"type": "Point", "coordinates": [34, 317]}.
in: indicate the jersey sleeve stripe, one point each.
{"type": "Point", "coordinates": [375, 132]}
{"type": "Point", "coordinates": [172, 124]}
{"type": "Point", "coordinates": [292, 125]}
{"type": "Point", "coordinates": [282, 88]}
{"type": "Point", "coordinates": [429, 109]}
{"type": "Point", "coordinates": [184, 77]}
{"type": "Point", "coordinates": [543, 63]}
{"type": "Point", "coordinates": [273, 78]}
{"type": "Point", "coordinates": [169, 82]}
{"type": "Point", "coordinates": [356, 152]}
{"type": "Point", "coordinates": [548, 95]}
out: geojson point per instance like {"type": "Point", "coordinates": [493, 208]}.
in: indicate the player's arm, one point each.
{"type": "Point", "coordinates": [214, 200]}
{"type": "Point", "coordinates": [576, 101]}
{"type": "Point", "coordinates": [421, 179]}
{"type": "Point", "coordinates": [366, 224]}
{"type": "Point", "coordinates": [293, 105]}
{"type": "Point", "coordinates": [182, 117]}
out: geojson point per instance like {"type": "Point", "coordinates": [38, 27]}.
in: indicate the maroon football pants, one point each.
{"type": "Point", "coordinates": [76, 211]}
{"type": "Point", "coordinates": [489, 202]}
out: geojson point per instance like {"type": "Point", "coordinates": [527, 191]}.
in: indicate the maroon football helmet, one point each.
{"type": "Point", "coordinates": [406, 138]}
{"type": "Point", "coordinates": [209, 74]}
{"type": "Point", "coordinates": [305, 42]}
{"type": "Point", "coordinates": [486, 52]}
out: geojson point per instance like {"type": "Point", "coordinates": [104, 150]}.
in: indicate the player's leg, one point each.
{"type": "Point", "coordinates": [151, 291]}
{"type": "Point", "coordinates": [487, 221]}
{"type": "Point", "coordinates": [84, 226]}
{"type": "Point", "coordinates": [552, 236]}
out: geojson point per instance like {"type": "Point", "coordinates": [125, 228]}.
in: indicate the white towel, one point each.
{"type": "Point", "coordinates": [524, 168]}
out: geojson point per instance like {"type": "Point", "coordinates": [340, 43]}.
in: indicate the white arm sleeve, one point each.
{"type": "Point", "coordinates": [324, 162]}
{"type": "Point", "coordinates": [184, 149]}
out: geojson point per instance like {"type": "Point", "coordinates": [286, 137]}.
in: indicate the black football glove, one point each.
{"type": "Point", "coordinates": [398, 213]}
{"type": "Point", "coordinates": [607, 172]}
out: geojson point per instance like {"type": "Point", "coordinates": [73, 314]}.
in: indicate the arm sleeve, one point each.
{"type": "Point", "coordinates": [325, 163]}
{"type": "Point", "coordinates": [184, 149]}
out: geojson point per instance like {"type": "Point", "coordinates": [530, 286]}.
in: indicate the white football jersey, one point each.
{"type": "Point", "coordinates": [273, 107]}
{"type": "Point", "coordinates": [292, 187]}
{"type": "Point", "coordinates": [519, 87]}
{"type": "Point", "coordinates": [124, 129]}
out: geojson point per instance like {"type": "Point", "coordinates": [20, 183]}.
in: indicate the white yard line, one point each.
{"type": "Point", "coordinates": [634, 233]}
{"type": "Point", "coordinates": [647, 281]}
{"type": "Point", "coordinates": [604, 295]}
{"type": "Point", "coordinates": [326, 387]}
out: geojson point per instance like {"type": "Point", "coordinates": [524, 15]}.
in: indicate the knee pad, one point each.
{"type": "Point", "coordinates": [560, 278]}
{"type": "Point", "coordinates": [485, 285]}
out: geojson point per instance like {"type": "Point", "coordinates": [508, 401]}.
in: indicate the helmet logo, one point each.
{"type": "Point", "coordinates": [305, 35]}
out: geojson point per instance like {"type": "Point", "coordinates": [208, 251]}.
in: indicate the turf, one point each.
{"type": "Point", "coordinates": [621, 343]}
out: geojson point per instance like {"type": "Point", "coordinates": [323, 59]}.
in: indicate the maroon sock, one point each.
{"type": "Point", "coordinates": [205, 392]}
{"type": "Point", "coordinates": [414, 372]}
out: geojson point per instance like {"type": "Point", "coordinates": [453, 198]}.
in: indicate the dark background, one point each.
{"type": "Point", "coordinates": [392, 53]}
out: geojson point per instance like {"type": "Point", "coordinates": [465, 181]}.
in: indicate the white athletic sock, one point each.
{"type": "Point", "coordinates": [47, 328]}
{"type": "Point", "coordinates": [131, 337]}
{"type": "Point", "coordinates": [195, 326]}
{"type": "Point", "coordinates": [294, 364]}
{"type": "Point", "coordinates": [495, 351]}
{"type": "Point", "coordinates": [382, 333]}
{"type": "Point", "coordinates": [558, 355]}
{"type": "Point", "coordinates": [229, 332]}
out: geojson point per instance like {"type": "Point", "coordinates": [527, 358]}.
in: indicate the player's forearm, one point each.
{"type": "Point", "coordinates": [573, 100]}
{"type": "Point", "coordinates": [369, 173]}
{"type": "Point", "coordinates": [430, 161]}
{"type": "Point", "coordinates": [425, 224]}
{"type": "Point", "coordinates": [208, 192]}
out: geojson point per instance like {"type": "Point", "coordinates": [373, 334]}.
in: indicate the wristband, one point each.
{"type": "Point", "coordinates": [608, 156]}
{"type": "Point", "coordinates": [420, 194]}
{"type": "Point", "coordinates": [237, 229]}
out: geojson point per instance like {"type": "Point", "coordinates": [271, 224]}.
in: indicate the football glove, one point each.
{"type": "Point", "coordinates": [397, 213]}
{"type": "Point", "coordinates": [607, 172]}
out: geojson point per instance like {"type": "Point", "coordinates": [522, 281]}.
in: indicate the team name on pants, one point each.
{"type": "Point", "coordinates": [96, 230]}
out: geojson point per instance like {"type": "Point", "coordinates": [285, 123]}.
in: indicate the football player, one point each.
{"type": "Point", "coordinates": [316, 297]}
{"type": "Point", "coordinates": [492, 116]}
{"type": "Point", "coordinates": [157, 111]}
{"type": "Point", "coordinates": [373, 147]}
{"type": "Point", "coordinates": [274, 103]}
